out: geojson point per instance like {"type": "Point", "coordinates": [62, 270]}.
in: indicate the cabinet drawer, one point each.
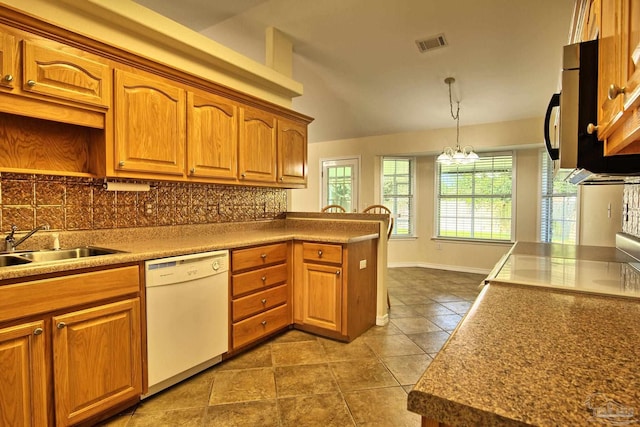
{"type": "Point", "coordinates": [322, 252]}
{"type": "Point", "coordinates": [258, 302]}
{"type": "Point", "coordinates": [258, 279]}
{"type": "Point", "coordinates": [41, 296]}
{"type": "Point", "coordinates": [243, 259]}
{"type": "Point", "coordinates": [258, 326]}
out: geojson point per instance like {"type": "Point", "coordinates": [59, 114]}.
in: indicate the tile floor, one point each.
{"type": "Point", "coordinates": [298, 379]}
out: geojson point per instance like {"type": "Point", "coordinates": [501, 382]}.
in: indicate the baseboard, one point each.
{"type": "Point", "coordinates": [382, 320]}
{"type": "Point", "coordinates": [457, 268]}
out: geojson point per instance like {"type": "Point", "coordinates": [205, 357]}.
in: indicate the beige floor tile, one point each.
{"type": "Point", "coordinates": [301, 380]}
{"type": "Point", "coordinates": [407, 369]}
{"type": "Point", "coordinates": [362, 374]}
{"type": "Point", "coordinates": [293, 335]}
{"type": "Point", "coordinates": [298, 353]}
{"type": "Point", "coordinates": [460, 307]}
{"type": "Point", "coordinates": [414, 325]}
{"type": "Point", "coordinates": [190, 393]}
{"type": "Point", "coordinates": [263, 413]}
{"type": "Point", "coordinates": [388, 329]}
{"type": "Point", "coordinates": [448, 322]}
{"type": "Point", "coordinates": [430, 342]}
{"type": "Point", "coordinates": [385, 407]}
{"type": "Point", "coordinates": [392, 345]}
{"type": "Point", "coordinates": [243, 386]}
{"type": "Point", "coordinates": [259, 357]}
{"type": "Point", "coordinates": [431, 309]}
{"type": "Point", "coordinates": [356, 349]}
{"type": "Point", "coordinates": [399, 311]}
{"type": "Point", "coordinates": [326, 410]}
{"type": "Point", "coordinates": [179, 417]}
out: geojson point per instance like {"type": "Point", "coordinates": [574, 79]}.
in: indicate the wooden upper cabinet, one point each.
{"type": "Point", "coordinates": [619, 77]}
{"type": "Point", "coordinates": [212, 137]}
{"type": "Point", "coordinates": [150, 125]}
{"type": "Point", "coordinates": [97, 359]}
{"type": "Point", "coordinates": [54, 71]}
{"type": "Point", "coordinates": [23, 379]}
{"type": "Point", "coordinates": [257, 146]}
{"type": "Point", "coordinates": [292, 152]}
{"type": "Point", "coordinates": [7, 61]}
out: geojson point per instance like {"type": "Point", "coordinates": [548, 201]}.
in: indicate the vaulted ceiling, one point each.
{"type": "Point", "coordinates": [363, 74]}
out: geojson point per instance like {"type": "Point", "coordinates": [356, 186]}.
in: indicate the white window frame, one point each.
{"type": "Point", "coordinates": [412, 196]}
{"type": "Point", "coordinates": [436, 216]}
{"type": "Point", "coordinates": [548, 236]}
{"type": "Point", "coordinates": [325, 163]}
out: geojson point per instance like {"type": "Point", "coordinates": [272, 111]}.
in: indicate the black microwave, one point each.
{"type": "Point", "coordinates": [578, 107]}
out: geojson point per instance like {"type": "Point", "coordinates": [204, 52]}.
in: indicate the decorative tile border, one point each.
{"type": "Point", "coordinates": [631, 205]}
{"type": "Point", "coordinates": [72, 203]}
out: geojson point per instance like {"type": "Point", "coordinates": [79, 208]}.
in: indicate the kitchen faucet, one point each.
{"type": "Point", "coordinates": [10, 240]}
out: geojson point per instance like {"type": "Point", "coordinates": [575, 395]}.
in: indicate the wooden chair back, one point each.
{"type": "Point", "coordinates": [381, 209]}
{"type": "Point", "coordinates": [333, 208]}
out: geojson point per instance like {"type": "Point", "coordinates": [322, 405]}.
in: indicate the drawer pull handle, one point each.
{"type": "Point", "coordinates": [263, 323]}
{"type": "Point", "coordinates": [263, 256]}
{"type": "Point", "coordinates": [615, 90]}
{"type": "Point", "coordinates": [320, 253]}
{"type": "Point", "coordinates": [8, 78]}
{"type": "Point", "coordinates": [38, 331]}
{"type": "Point", "coordinates": [61, 325]}
{"type": "Point", "coordinates": [263, 278]}
{"type": "Point", "coordinates": [31, 83]}
{"type": "Point", "coordinates": [263, 300]}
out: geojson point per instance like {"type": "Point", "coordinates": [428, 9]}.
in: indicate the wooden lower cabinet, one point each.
{"type": "Point", "coordinates": [335, 288]}
{"type": "Point", "coordinates": [78, 353]}
{"type": "Point", "coordinates": [260, 293]}
{"type": "Point", "coordinates": [96, 359]}
{"type": "Point", "coordinates": [23, 377]}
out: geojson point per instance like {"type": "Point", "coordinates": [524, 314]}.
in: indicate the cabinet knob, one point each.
{"type": "Point", "coordinates": [263, 323]}
{"type": "Point", "coordinates": [38, 331]}
{"type": "Point", "coordinates": [263, 256]}
{"type": "Point", "coordinates": [31, 83]}
{"type": "Point", "coordinates": [263, 300]}
{"type": "Point", "coordinates": [61, 325]}
{"type": "Point", "coordinates": [281, 178]}
{"type": "Point", "coordinates": [591, 128]}
{"type": "Point", "coordinates": [615, 90]}
{"type": "Point", "coordinates": [337, 272]}
{"type": "Point", "coordinates": [192, 171]}
{"type": "Point", "coordinates": [243, 176]}
{"type": "Point", "coordinates": [121, 163]}
{"type": "Point", "coordinates": [263, 278]}
{"type": "Point", "coordinates": [8, 78]}
{"type": "Point", "coordinates": [320, 253]}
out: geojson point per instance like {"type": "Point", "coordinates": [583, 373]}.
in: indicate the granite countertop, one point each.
{"type": "Point", "coordinates": [532, 355]}
{"type": "Point", "coordinates": [140, 244]}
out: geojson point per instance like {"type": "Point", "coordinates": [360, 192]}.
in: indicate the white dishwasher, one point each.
{"type": "Point", "coordinates": [187, 300]}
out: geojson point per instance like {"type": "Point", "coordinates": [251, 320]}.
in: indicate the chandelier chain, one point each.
{"type": "Point", "coordinates": [455, 116]}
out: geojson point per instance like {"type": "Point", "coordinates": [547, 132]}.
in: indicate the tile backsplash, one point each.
{"type": "Point", "coordinates": [72, 203]}
{"type": "Point", "coordinates": [631, 210]}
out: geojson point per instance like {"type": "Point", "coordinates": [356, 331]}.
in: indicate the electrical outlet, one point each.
{"type": "Point", "coordinates": [363, 264]}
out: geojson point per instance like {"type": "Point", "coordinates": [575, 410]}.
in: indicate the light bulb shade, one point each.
{"type": "Point", "coordinates": [472, 156]}
{"type": "Point", "coordinates": [444, 158]}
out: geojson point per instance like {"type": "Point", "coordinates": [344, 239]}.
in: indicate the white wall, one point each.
{"type": "Point", "coordinates": [523, 135]}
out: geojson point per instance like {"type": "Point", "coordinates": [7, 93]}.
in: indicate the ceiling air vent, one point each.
{"type": "Point", "coordinates": [431, 43]}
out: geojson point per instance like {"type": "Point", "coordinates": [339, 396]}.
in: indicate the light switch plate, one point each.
{"type": "Point", "coordinates": [363, 264]}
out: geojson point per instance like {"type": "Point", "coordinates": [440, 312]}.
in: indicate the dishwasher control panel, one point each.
{"type": "Point", "coordinates": [185, 268]}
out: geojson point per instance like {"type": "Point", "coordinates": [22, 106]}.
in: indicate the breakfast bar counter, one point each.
{"type": "Point", "coordinates": [533, 355]}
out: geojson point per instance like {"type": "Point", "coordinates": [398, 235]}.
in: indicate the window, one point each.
{"type": "Point", "coordinates": [474, 200]}
{"type": "Point", "coordinates": [397, 192]}
{"type": "Point", "coordinates": [558, 205]}
{"type": "Point", "coordinates": [340, 183]}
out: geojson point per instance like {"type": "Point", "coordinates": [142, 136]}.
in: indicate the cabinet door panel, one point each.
{"type": "Point", "coordinates": [97, 359]}
{"type": "Point", "coordinates": [23, 380]}
{"type": "Point", "coordinates": [51, 71]}
{"type": "Point", "coordinates": [322, 296]}
{"type": "Point", "coordinates": [292, 153]}
{"type": "Point", "coordinates": [212, 135]}
{"type": "Point", "coordinates": [7, 61]}
{"type": "Point", "coordinates": [150, 121]}
{"type": "Point", "coordinates": [257, 150]}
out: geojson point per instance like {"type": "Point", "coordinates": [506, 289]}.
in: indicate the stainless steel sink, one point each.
{"type": "Point", "coordinates": [66, 254]}
{"type": "Point", "coordinates": [9, 260]}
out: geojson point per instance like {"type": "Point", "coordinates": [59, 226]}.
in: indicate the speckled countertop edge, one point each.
{"type": "Point", "coordinates": [140, 244]}
{"type": "Point", "coordinates": [559, 349]}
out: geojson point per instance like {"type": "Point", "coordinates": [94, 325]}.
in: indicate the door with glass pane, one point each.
{"type": "Point", "coordinates": [340, 183]}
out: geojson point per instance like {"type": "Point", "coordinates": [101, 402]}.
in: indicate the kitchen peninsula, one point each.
{"type": "Point", "coordinates": [533, 355]}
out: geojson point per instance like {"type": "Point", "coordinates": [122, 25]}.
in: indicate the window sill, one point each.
{"type": "Point", "coordinates": [473, 241]}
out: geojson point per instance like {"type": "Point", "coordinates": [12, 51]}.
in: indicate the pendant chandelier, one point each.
{"type": "Point", "coordinates": [458, 155]}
